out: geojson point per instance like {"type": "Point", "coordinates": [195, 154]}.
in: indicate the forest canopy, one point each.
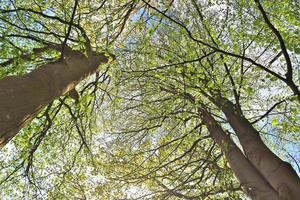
{"type": "Point", "coordinates": [146, 99]}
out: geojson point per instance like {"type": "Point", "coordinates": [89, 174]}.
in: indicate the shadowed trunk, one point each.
{"type": "Point", "coordinates": [280, 175]}
{"type": "Point", "coordinates": [22, 97]}
{"type": "Point", "coordinates": [253, 183]}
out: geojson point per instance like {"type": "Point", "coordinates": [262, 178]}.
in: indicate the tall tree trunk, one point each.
{"type": "Point", "coordinates": [22, 97]}
{"type": "Point", "coordinates": [253, 183]}
{"type": "Point", "coordinates": [280, 175]}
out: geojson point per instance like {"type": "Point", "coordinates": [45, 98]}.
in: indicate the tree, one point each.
{"type": "Point", "coordinates": [23, 97]}
{"type": "Point", "coordinates": [41, 41]}
{"type": "Point", "coordinates": [203, 56]}
{"type": "Point", "coordinates": [200, 94]}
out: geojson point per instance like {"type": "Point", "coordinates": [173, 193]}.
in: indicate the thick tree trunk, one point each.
{"type": "Point", "coordinates": [22, 97]}
{"type": "Point", "coordinates": [253, 183]}
{"type": "Point", "coordinates": [278, 173]}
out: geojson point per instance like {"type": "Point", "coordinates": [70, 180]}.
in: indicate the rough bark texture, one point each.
{"type": "Point", "coordinates": [22, 97]}
{"type": "Point", "coordinates": [251, 180]}
{"type": "Point", "coordinates": [278, 173]}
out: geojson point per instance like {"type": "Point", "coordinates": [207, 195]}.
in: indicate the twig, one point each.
{"type": "Point", "coordinates": [69, 29]}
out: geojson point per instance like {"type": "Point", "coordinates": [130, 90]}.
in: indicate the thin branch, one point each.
{"type": "Point", "coordinates": [289, 74]}
{"type": "Point", "coordinates": [126, 17]}
{"type": "Point", "coordinates": [69, 29]}
{"type": "Point", "coordinates": [270, 110]}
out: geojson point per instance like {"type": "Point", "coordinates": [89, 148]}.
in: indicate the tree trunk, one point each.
{"type": "Point", "coordinates": [22, 97]}
{"type": "Point", "coordinates": [253, 183]}
{"type": "Point", "coordinates": [278, 173]}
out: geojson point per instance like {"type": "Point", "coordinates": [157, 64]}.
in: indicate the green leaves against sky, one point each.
{"type": "Point", "coordinates": [135, 133]}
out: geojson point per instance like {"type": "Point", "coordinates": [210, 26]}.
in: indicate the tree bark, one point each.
{"type": "Point", "coordinates": [22, 97]}
{"type": "Point", "coordinates": [253, 183]}
{"type": "Point", "coordinates": [279, 174]}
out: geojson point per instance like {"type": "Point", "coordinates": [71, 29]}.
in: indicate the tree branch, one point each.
{"type": "Point", "coordinates": [69, 29]}
{"type": "Point", "coordinates": [289, 74]}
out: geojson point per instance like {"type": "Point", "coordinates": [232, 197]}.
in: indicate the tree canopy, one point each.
{"type": "Point", "coordinates": [137, 127]}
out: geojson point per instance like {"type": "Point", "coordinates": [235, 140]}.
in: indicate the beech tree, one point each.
{"type": "Point", "coordinates": [206, 69]}
{"type": "Point", "coordinates": [22, 97]}
{"type": "Point", "coordinates": [202, 101]}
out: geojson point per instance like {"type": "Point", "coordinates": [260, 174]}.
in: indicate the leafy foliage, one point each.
{"type": "Point", "coordinates": [136, 133]}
